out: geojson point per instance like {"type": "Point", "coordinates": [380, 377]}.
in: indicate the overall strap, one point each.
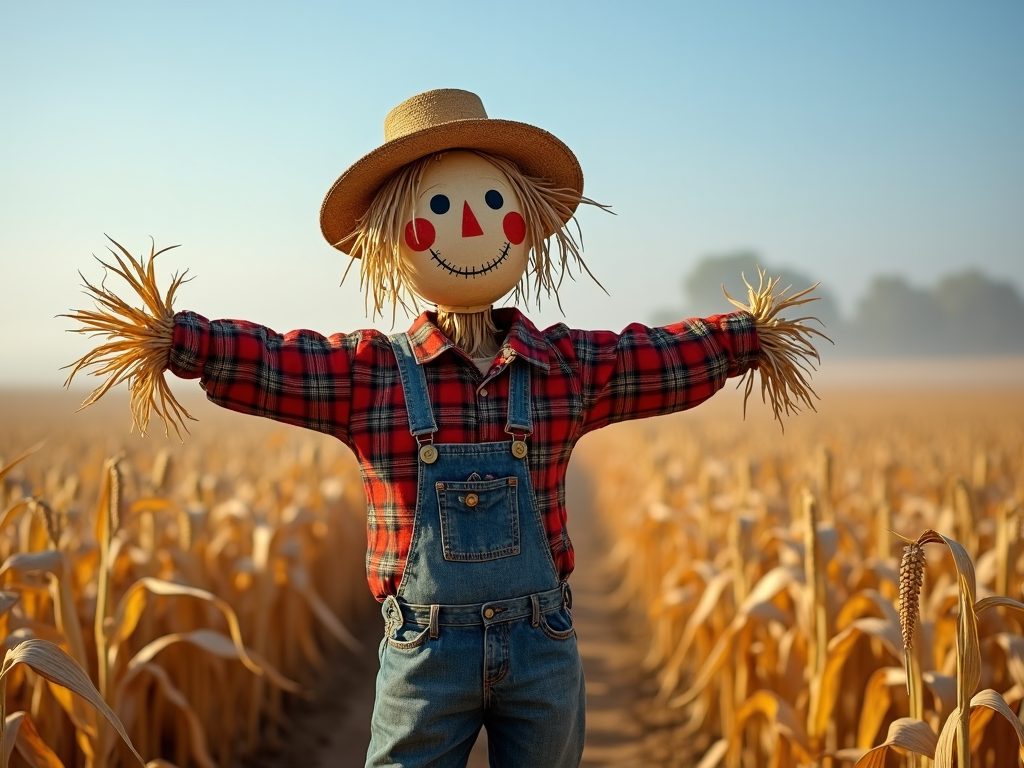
{"type": "Point", "coordinates": [414, 386]}
{"type": "Point", "coordinates": [519, 417]}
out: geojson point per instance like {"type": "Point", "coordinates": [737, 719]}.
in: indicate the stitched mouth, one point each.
{"type": "Point", "coordinates": [469, 272]}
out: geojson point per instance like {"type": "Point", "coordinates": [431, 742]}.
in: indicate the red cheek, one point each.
{"type": "Point", "coordinates": [420, 238]}
{"type": "Point", "coordinates": [515, 228]}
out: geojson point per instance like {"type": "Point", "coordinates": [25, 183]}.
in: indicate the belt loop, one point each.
{"type": "Point", "coordinates": [392, 615]}
{"type": "Point", "coordinates": [566, 595]}
{"type": "Point", "coordinates": [391, 609]}
{"type": "Point", "coordinates": [435, 610]}
{"type": "Point", "coordinates": [535, 621]}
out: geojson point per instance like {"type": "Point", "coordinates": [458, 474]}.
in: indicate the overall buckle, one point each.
{"type": "Point", "coordinates": [428, 453]}
{"type": "Point", "coordinates": [519, 449]}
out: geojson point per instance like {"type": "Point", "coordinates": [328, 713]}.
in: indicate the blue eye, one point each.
{"type": "Point", "coordinates": [440, 204]}
{"type": "Point", "coordinates": [494, 199]}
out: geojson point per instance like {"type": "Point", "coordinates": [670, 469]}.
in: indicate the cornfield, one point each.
{"type": "Point", "coordinates": [801, 608]}
{"type": "Point", "coordinates": [185, 592]}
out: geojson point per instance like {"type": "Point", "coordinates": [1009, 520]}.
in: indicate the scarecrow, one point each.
{"type": "Point", "coordinates": [464, 424]}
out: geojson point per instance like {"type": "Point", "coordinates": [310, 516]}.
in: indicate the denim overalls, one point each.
{"type": "Point", "coordinates": [479, 632]}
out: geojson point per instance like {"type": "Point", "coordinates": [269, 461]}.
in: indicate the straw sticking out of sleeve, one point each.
{"type": "Point", "coordinates": [138, 343]}
{"type": "Point", "coordinates": [787, 355]}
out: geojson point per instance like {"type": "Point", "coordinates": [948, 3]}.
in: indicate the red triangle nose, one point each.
{"type": "Point", "coordinates": [470, 226]}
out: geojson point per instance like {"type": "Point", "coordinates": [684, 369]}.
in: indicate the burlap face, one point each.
{"type": "Point", "coordinates": [464, 243]}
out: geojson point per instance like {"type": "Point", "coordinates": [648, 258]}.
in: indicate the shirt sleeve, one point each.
{"type": "Point", "coordinates": [299, 378]}
{"type": "Point", "coordinates": [645, 371]}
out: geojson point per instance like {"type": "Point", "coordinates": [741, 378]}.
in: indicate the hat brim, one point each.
{"type": "Point", "coordinates": [535, 151]}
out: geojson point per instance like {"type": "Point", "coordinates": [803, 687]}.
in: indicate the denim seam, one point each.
{"type": "Point", "coordinates": [409, 569]}
{"type": "Point", "coordinates": [408, 645]}
{"type": "Point", "coordinates": [556, 634]}
{"type": "Point", "coordinates": [540, 522]}
{"type": "Point", "coordinates": [503, 668]}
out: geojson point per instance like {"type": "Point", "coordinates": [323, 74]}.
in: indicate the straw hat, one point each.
{"type": "Point", "coordinates": [436, 121]}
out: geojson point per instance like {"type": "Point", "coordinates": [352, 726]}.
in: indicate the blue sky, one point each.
{"type": "Point", "coordinates": [843, 139]}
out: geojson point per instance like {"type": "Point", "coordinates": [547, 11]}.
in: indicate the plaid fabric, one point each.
{"type": "Point", "coordinates": [348, 386]}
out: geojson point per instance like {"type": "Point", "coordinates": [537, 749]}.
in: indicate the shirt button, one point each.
{"type": "Point", "coordinates": [488, 613]}
{"type": "Point", "coordinates": [483, 393]}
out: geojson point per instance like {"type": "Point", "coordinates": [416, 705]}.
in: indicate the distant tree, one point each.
{"type": "Point", "coordinates": [983, 316]}
{"type": "Point", "coordinates": [894, 318]}
{"type": "Point", "coordinates": [702, 288]}
{"type": "Point", "coordinates": [965, 314]}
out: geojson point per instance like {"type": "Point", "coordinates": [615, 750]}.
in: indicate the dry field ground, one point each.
{"type": "Point", "coordinates": [702, 515]}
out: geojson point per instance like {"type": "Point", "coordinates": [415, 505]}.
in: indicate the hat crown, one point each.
{"type": "Point", "coordinates": [433, 108]}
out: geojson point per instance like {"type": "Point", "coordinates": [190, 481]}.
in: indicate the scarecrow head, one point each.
{"type": "Point", "coordinates": [457, 210]}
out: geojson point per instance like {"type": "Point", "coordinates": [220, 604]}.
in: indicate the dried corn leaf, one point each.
{"type": "Point", "coordinates": [828, 542]}
{"type": "Point", "coordinates": [214, 643]}
{"type": "Point", "coordinates": [197, 736]}
{"type": "Point", "coordinates": [20, 733]}
{"type": "Point", "coordinates": [993, 601]}
{"type": "Point", "coordinates": [6, 468]}
{"type": "Point", "coordinates": [709, 600]}
{"type": "Point", "coordinates": [53, 664]}
{"type": "Point", "coordinates": [20, 563]}
{"type": "Point", "coordinates": [8, 600]}
{"type": "Point", "coordinates": [867, 602]}
{"type": "Point", "coordinates": [968, 647]}
{"type": "Point", "coordinates": [757, 605]}
{"type": "Point", "coordinates": [132, 604]}
{"type": "Point", "coordinates": [839, 649]}
{"type": "Point", "coordinates": [54, 563]}
{"type": "Point", "coordinates": [1013, 648]}
{"type": "Point", "coordinates": [298, 579]}
{"type": "Point", "coordinates": [780, 715]}
{"type": "Point", "coordinates": [906, 734]}
{"type": "Point", "coordinates": [11, 513]}
{"type": "Point", "coordinates": [943, 689]}
{"type": "Point", "coordinates": [948, 736]}
{"type": "Point", "coordinates": [713, 757]}
{"type": "Point", "coordinates": [877, 699]}
{"type": "Point", "coordinates": [152, 504]}
{"type": "Point", "coordinates": [35, 630]}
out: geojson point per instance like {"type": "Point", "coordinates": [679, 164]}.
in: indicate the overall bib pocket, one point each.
{"type": "Point", "coordinates": [479, 519]}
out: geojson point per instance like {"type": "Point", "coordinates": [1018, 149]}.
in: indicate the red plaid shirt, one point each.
{"type": "Point", "coordinates": [348, 386]}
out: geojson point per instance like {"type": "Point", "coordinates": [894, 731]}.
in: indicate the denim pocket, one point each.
{"type": "Point", "coordinates": [557, 624]}
{"type": "Point", "coordinates": [408, 636]}
{"type": "Point", "coordinates": [479, 519]}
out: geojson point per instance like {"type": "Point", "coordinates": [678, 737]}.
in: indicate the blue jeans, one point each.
{"type": "Point", "coordinates": [433, 695]}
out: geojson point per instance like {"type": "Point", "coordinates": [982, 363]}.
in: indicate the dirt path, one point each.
{"type": "Point", "coordinates": [333, 731]}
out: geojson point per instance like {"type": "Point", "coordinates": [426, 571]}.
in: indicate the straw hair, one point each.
{"type": "Point", "coordinates": [787, 346]}
{"type": "Point", "coordinates": [383, 274]}
{"type": "Point", "coordinates": [473, 332]}
{"type": "Point", "coordinates": [139, 340]}
{"type": "Point", "coordinates": [434, 122]}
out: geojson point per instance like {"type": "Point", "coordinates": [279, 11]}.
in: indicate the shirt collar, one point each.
{"type": "Point", "coordinates": [522, 337]}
